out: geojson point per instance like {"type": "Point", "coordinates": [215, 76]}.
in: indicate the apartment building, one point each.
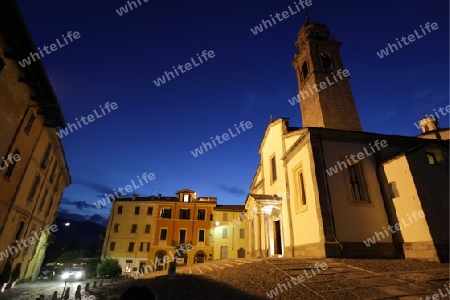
{"type": "Point", "coordinates": [33, 167]}
{"type": "Point", "coordinates": [129, 232]}
{"type": "Point", "coordinates": [144, 230]}
{"type": "Point", "coordinates": [231, 232]}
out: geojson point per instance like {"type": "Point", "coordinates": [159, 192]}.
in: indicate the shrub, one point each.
{"type": "Point", "coordinates": [91, 267]}
{"type": "Point", "coordinates": [110, 267]}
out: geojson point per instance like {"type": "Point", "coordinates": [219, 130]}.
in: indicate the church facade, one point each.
{"type": "Point", "coordinates": [329, 189]}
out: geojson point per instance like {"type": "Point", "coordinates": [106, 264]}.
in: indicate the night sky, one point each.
{"type": "Point", "coordinates": [154, 129]}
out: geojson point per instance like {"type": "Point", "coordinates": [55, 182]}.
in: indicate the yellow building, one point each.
{"type": "Point", "coordinates": [339, 191]}
{"type": "Point", "coordinates": [129, 233]}
{"type": "Point", "coordinates": [33, 168]}
{"type": "Point", "coordinates": [231, 232]}
{"type": "Point", "coordinates": [143, 230]}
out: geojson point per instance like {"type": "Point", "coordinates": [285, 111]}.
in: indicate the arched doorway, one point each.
{"type": "Point", "coordinates": [200, 257]}
{"type": "Point", "coordinates": [159, 260]}
{"type": "Point", "coordinates": [181, 258]}
{"type": "Point", "coordinates": [241, 253]}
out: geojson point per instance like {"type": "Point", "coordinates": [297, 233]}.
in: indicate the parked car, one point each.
{"type": "Point", "coordinates": [75, 273]}
{"type": "Point", "coordinates": [44, 272]}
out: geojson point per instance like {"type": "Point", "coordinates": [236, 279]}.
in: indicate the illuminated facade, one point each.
{"type": "Point", "coordinates": [343, 187]}
{"type": "Point", "coordinates": [33, 167]}
{"type": "Point", "coordinates": [230, 232]}
{"type": "Point", "coordinates": [143, 230]}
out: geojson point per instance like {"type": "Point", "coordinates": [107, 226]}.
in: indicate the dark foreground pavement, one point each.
{"type": "Point", "coordinates": [254, 279]}
{"type": "Point", "coordinates": [279, 279]}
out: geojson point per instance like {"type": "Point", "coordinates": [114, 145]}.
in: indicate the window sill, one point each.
{"type": "Point", "coordinates": [302, 209]}
{"type": "Point", "coordinates": [360, 203]}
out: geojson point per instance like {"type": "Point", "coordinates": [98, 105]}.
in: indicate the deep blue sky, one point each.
{"type": "Point", "coordinates": [155, 128]}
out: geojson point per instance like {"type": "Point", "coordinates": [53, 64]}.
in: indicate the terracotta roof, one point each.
{"type": "Point", "coordinates": [185, 191]}
{"type": "Point", "coordinates": [149, 198]}
{"type": "Point", "coordinates": [230, 207]}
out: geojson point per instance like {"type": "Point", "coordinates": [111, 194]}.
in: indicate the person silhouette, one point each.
{"type": "Point", "coordinates": [138, 293]}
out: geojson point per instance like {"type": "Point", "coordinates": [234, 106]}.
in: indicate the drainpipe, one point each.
{"type": "Point", "coordinates": [288, 202]}
{"type": "Point", "coordinates": [329, 195]}
{"type": "Point", "coordinates": [388, 207]}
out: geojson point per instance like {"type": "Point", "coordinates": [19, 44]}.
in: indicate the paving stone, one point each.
{"type": "Point", "coordinates": [244, 279]}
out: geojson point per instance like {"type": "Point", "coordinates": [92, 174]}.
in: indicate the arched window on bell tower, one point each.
{"type": "Point", "coordinates": [326, 61]}
{"type": "Point", "coordinates": [305, 70]}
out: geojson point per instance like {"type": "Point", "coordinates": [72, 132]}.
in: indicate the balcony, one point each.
{"type": "Point", "coordinates": [181, 245]}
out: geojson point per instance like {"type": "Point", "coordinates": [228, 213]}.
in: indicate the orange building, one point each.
{"type": "Point", "coordinates": [183, 222]}
{"type": "Point", "coordinates": [149, 232]}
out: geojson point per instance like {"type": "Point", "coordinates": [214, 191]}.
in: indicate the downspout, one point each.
{"type": "Point", "coordinates": [232, 237]}
{"type": "Point", "coordinates": [391, 216]}
{"type": "Point", "coordinates": [329, 195]}
{"type": "Point", "coordinates": [193, 223]}
{"type": "Point", "coordinates": [192, 233]}
{"type": "Point", "coordinates": [174, 220]}
{"type": "Point", "coordinates": [288, 202]}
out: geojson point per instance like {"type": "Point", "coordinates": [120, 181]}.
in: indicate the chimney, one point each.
{"type": "Point", "coordinates": [134, 197]}
{"type": "Point", "coordinates": [159, 195]}
{"type": "Point", "coordinates": [429, 123]}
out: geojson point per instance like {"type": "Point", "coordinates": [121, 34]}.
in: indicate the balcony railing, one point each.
{"type": "Point", "coordinates": [179, 244]}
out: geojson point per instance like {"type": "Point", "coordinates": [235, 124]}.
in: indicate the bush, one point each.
{"type": "Point", "coordinates": [110, 267]}
{"type": "Point", "coordinates": [91, 267]}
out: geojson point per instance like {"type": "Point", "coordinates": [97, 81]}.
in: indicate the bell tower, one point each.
{"type": "Point", "coordinates": [326, 98]}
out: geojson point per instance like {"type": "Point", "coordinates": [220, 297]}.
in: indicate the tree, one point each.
{"type": "Point", "coordinates": [93, 250]}
{"type": "Point", "coordinates": [110, 267]}
{"type": "Point", "coordinates": [68, 258]}
{"type": "Point", "coordinates": [74, 246]}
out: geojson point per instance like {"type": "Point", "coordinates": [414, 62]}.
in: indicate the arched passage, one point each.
{"type": "Point", "coordinates": [181, 258]}
{"type": "Point", "coordinates": [241, 253]}
{"type": "Point", "coordinates": [159, 260]}
{"type": "Point", "coordinates": [200, 257]}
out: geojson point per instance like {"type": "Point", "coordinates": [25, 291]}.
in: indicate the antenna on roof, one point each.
{"type": "Point", "coordinates": [306, 14]}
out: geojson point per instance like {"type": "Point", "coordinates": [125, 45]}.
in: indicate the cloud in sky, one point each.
{"type": "Point", "coordinates": [233, 190]}
{"type": "Point", "coordinates": [98, 187]}
{"type": "Point", "coordinates": [78, 204]}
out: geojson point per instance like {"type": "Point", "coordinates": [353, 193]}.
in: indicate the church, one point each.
{"type": "Point", "coordinates": [329, 189]}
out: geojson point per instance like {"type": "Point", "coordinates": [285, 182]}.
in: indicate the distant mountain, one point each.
{"type": "Point", "coordinates": [85, 233]}
{"type": "Point", "coordinates": [96, 218]}
{"type": "Point", "coordinates": [72, 235]}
